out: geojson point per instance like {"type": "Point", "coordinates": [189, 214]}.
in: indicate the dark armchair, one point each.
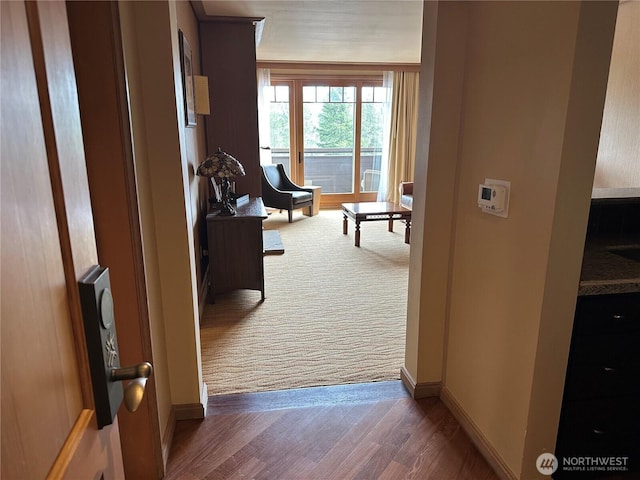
{"type": "Point", "coordinates": [278, 191]}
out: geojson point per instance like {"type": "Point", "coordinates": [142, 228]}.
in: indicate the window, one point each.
{"type": "Point", "coordinates": [279, 116]}
{"type": "Point", "coordinates": [329, 132]}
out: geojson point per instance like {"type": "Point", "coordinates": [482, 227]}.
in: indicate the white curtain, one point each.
{"type": "Point", "coordinates": [387, 83]}
{"type": "Point", "coordinates": [264, 115]}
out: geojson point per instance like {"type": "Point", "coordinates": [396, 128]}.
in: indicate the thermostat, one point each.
{"type": "Point", "coordinates": [493, 197]}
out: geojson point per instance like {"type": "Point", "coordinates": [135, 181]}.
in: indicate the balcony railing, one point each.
{"type": "Point", "coordinates": [332, 168]}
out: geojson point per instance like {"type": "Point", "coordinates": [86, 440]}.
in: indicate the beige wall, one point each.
{"type": "Point", "coordinates": [168, 192]}
{"type": "Point", "coordinates": [491, 299]}
{"type": "Point", "coordinates": [516, 95]}
{"type": "Point", "coordinates": [154, 295]}
{"type": "Point", "coordinates": [441, 77]}
{"type": "Point", "coordinates": [618, 164]}
{"type": "Point", "coordinates": [194, 141]}
{"type": "Point", "coordinates": [573, 199]}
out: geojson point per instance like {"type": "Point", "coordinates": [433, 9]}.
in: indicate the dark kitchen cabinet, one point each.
{"type": "Point", "coordinates": [601, 404]}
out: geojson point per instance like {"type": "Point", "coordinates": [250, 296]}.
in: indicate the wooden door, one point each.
{"type": "Point", "coordinates": [48, 420]}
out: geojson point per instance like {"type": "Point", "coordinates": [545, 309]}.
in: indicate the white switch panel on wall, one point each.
{"type": "Point", "coordinates": [502, 209]}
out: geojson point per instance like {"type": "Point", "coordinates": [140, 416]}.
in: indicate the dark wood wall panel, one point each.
{"type": "Point", "coordinates": [229, 60]}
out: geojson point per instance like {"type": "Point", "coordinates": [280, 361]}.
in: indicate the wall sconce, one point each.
{"type": "Point", "coordinates": [202, 95]}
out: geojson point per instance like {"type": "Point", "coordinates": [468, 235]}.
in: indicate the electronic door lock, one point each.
{"type": "Point", "coordinates": [102, 349]}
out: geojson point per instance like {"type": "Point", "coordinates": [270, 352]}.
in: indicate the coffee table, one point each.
{"type": "Point", "coordinates": [375, 211]}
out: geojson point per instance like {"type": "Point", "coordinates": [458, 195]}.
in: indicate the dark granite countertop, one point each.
{"type": "Point", "coordinates": [605, 272]}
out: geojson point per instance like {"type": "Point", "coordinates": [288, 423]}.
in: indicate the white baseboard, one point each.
{"type": "Point", "coordinates": [479, 440]}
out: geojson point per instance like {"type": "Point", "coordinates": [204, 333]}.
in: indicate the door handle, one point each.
{"type": "Point", "coordinates": [134, 391]}
{"type": "Point", "coordinates": [102, 347]}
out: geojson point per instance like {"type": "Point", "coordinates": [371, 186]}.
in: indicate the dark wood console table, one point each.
{"type": "Point", "coordinates": [235, 249]}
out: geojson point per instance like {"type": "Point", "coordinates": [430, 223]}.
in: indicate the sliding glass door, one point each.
{"type": "Point", "coordinates": [280, 125]}
{"type": "Point", "coordinates": [373, 104]}
{"type": "Point", "coordinates": [329, 132]}
{"type": "Point", "coordinates": [328, 126]}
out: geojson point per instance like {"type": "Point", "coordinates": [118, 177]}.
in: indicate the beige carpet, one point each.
{"type": "Point", "coordinates": [333, 314]}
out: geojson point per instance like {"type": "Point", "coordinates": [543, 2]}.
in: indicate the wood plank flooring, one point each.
{"type": "Point", "coordinates": [369, 431]}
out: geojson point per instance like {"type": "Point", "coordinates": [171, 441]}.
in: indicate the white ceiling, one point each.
{"type": "Point", "coordinates": [336, 31]}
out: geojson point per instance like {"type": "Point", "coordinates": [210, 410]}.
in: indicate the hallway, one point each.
{"type": "Point", "coordinates": [365, 431]}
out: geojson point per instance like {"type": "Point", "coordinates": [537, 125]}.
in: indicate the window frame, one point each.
{"type": "Point", "coordinates": [296, 82]}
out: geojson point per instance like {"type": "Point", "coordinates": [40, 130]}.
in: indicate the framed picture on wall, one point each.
{"type": "Point", "coordinates": [188, 84]}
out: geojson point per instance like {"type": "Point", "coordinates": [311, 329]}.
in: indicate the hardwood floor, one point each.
{"type": "Point", "coordinates": [369, 431]}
